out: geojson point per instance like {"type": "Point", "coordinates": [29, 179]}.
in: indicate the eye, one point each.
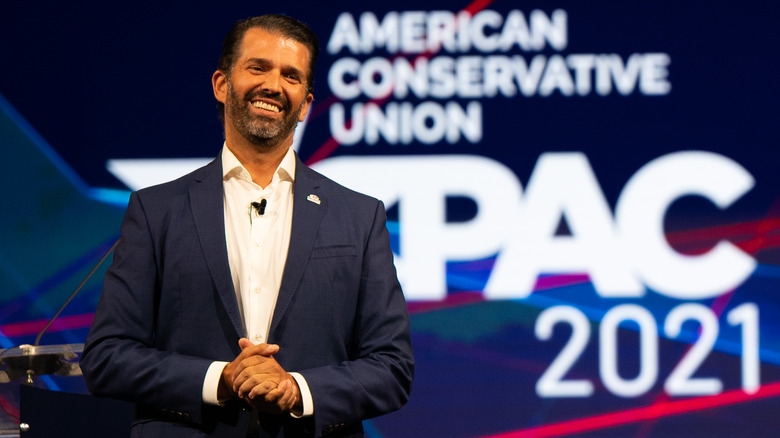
{"type": "Point", "coordinates": [294, 76]}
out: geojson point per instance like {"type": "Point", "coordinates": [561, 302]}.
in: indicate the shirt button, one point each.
{"type": "Point", "coordinates": [257, 290]}
{"type": "Point", "coordinates": [258, 338]}
{"type": "Point", "coordinates": [259, 242]}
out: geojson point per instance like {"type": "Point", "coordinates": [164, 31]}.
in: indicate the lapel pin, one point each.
{"type": "Point", "coordinates": [313, 198]}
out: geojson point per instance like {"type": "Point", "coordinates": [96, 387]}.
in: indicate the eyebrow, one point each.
{"type": "Point", "coordinates": [287, 68]}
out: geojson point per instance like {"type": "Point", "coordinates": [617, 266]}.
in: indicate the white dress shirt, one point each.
{"type": "Point", "coordinates": [257, 244]}
{"type": "Point", "coordinates": [257, 247]}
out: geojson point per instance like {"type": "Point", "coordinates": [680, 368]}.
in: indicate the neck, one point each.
{"type": "Point", "coordinates": [260, 160]}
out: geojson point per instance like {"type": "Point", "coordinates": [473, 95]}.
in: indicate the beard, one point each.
{"type": "Point", "coordinates": [260, 130]}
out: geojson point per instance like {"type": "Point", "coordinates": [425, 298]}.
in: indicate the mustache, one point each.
{"type": "Point", "coordinates": [278, 99]}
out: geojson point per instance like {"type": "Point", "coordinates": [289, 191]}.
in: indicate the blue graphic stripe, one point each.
{"type": "Point", "coordinates": [43, 145]}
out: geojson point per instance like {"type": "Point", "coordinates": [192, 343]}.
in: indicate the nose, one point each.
{"type": "Point", "coordinates": [272, 81]}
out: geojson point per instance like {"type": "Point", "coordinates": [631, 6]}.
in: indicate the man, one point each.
{"type": "Point", "coordinates": [253, 297]}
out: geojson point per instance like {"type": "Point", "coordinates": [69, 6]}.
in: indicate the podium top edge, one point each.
{"type": "Point", "coordinates": [29, 350]}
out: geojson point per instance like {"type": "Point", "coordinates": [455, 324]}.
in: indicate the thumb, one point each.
{"type": "Point", "coordinates": [270, 349]}
{"type": "Point", "coordinates": [261, 349]}
{"type": "Point", "coordinates": [244, 343]}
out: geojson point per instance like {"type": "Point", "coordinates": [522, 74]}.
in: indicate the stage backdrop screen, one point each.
{"type": "Point", "coordinates": [583, 197]}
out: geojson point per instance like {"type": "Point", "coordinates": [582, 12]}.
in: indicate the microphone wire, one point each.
{"type": "Point", "coordinates": [73, 295]}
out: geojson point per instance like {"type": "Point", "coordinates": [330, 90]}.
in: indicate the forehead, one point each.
{"type": "Point", "coordinates": [259, 43]}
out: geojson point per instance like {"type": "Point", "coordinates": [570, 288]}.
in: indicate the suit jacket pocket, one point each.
{"type": "Point", "coordinates": [333, 251]}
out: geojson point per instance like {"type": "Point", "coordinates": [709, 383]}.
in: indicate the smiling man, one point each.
{"type": "Point", "coordinates": [253, 297]}
{"type": "Point", "coordinates": [263, 117]}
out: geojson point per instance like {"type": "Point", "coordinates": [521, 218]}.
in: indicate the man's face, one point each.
{"type": "Point", "coordinates": [265, 94]}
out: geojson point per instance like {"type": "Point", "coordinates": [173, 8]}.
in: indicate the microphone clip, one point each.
{"type": "Point", "coordinates": [260, 206]}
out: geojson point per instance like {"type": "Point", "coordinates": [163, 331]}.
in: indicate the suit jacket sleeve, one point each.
{"type": "Point", "coordinates": [378, 377]}
{"type": "Point", "coordinates": [123, 357]}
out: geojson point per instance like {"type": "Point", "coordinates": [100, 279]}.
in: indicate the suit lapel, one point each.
{"type": "Point", "coordinates": [208, 211]}
{"type": "Point", "coordinates": [307, 215]}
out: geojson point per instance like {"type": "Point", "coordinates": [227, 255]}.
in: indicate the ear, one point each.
{"type": "Point", "coordinates": [219, 83]}
{"type": "Point", "coordinates": [305, 109]}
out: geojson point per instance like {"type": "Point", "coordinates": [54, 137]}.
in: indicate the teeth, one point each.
{"type": "Point", "coordinates": [266, 106]}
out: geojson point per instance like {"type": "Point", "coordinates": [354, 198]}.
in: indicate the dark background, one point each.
{"type": "Point", "coordinates": [87, 82]}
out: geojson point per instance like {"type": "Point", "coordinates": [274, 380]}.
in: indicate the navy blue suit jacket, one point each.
{"type": "Point", "coordinates": [169, 309]}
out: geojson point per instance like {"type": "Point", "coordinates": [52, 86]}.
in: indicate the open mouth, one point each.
{"type": "Point", "coordinates": [266, 106]}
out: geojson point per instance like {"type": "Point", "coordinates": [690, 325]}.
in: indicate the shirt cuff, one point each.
{"type": "Point", "coordinates": [211, 383]}
{"type": "Point", "coordinates": [308, 403]}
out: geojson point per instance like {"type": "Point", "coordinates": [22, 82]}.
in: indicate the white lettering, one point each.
{"type": "Point", "coordinates": [652, 80]}
{"type": "Point", "coordinates": [428, 241]}
{"type": "Point", "coordinates": [345, 34]}
{"type": "Point", "coordinates": [337, 78]}
{"type": "Point", "coordinates": [374, 35]}
{"type": "Point", "coordinates": [621, 255]}
{"type": "Point", "coordinates": [420, 31]}
{"type": "Point", "coordinates": [476, 77]}
{"type": "Point", "coordinates": [441, 31]}
{"type": "Point", "coordinates": [562, 185]}
{"type": "Point", "coordinates": [429, 123]}
{"type": "Point", "coordinates": [582, 65]}
{"type": "Point", "coordinates": [556, 77]}
{"type": "Point", "coordinates": [640, 213]}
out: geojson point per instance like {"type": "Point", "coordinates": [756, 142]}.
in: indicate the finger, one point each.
{"type": "Point", "coordinates": [244, 369]}
{"type": "Point", "coordinates": [277, 393]}
{"type": "Point", "coordinates": [286, 401]}
{"type": "Point", "coordinates": [253, 363]}
{"type": "Point", "coordinates": [251, 375]}
{"type": "Point", "coordinates": [253, 388]}
{"type": "Point", "coordinates": [264, 368]}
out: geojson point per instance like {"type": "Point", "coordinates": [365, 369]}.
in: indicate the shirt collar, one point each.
{"type": "Point", "coordinates": [231, 167]}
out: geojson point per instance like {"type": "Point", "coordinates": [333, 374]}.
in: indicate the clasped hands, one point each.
{"type": "Point", "coordinates": [257, 378]}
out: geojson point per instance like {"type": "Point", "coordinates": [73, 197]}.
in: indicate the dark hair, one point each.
{"type": "Point", "coordinates": [275, 23]}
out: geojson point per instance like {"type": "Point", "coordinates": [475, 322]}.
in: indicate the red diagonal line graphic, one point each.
{"type": "Point", "coordinates": [656, 410]}
{"type": "Point", "coordinates": [754, 236]}
{"type": "Point", "coordinates": [465, 298]}
{"type": "Point", "coordinates": [757, 241]}
{"type": "Point", "coordinates": [750, 236]}
{"type": "Point", "coordinates": [748, 229]}
{"type": "Point", "coordinates": [68, 322]}
{"type": "Point", "coordinates": [9, 409]}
